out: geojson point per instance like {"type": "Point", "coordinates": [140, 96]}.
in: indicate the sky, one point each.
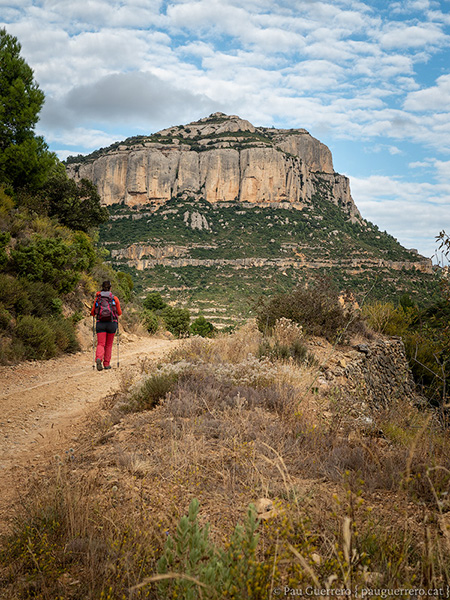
{"type": "Point", "coordinates": [370, 79]}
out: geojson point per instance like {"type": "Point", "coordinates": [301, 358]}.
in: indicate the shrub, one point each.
{"type": "Point", "coordinates": [11, 350]}
{"type": "Point", "coordinates": [202, 327]}
{"type": "Point", "coordinates": [176, 320]}
{"type": "Point", "coordinates": [151, 391]}
{"type": "Point", "coordinates": [43, 297]}
{"type": "Point", "coordinates": [38, 337]}
{"type": "Point", "coordinates": [65, 335]}
{"type": "Point", "coordinates": [203, 570]}
{"type": "Point", "coordinates": [150, 321]}
{"type": "Point", "coordinates": [385, 318]}
{"type": "Point", "coordinates": [154, 302]}
{"type": "Point", "coordinates": [126, 285]}
{"type": "Point", "coordinates": [53, 260]}
{"type": "Point", "coordinates": [14, 296]}
{"type": "Point", "coordinates": [296, 351]}
{"type": "Point", "coordinates": [5, 318]}
{"type": "Point", "coordinates": [4, 241]}
{"type": "Point", "coordinates": [316, 308]}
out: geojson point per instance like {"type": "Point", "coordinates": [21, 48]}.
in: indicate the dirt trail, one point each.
{"type": "Point", "coordinates": [43, 406]}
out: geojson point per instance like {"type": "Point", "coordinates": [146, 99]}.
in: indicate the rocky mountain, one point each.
{"type": "Point", "coordinates": [216, 212]}
{"type": "Point", "coordinates": [222, 158]}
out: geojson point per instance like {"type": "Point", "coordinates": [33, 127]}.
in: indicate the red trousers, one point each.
{"type": "Point", "coordinates": [104, 347]}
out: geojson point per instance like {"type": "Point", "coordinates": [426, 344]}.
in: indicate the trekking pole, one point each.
{"type": "Point", "coordinates": [118, 344]}
{"type": "Point", "coordinates": [93, 343]}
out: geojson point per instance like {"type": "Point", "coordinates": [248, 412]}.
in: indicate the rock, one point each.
{"type": "Point", "coordinates": [383, 372]}
{"type": "Point", "coordinates": [364, 348]}
{"type": "Point", "coordinates": [263, 505]}
{"type": "Point", "coordinates": [353, 438]}
{"type": "Point", "coordinates": [66, 579]}
{"type": "Point", "coordinates": [265, 508]}
{"type": "Point", "coordinates": [274, 166]}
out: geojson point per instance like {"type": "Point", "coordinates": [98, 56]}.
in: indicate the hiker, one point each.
{"type": "Point", "coordinates": [106, 309]}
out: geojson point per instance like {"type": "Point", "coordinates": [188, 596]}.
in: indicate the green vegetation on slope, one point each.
{"type": "Point", "coordinates": [48, 258]}
{"type": "Point", "coordinates": [318, 234]}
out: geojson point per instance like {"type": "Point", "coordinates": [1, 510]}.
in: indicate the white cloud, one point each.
{"type": "Point", "coordinates": [430, 99]}
{"type": "Point", "coordinates": [413, 212]}
{"type": "Point", "coordinates": [414, 36]}
{"type": "Point", "coordinates": [79, 137]}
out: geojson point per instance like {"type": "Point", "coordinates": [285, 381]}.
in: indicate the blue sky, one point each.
{"type": "Point", "coordinates": [371, 79]}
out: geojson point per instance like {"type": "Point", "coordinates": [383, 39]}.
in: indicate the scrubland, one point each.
{"type": "Point", "coordinates": [232, 470]}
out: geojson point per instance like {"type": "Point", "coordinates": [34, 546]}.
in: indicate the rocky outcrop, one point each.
{"type": "Point", "coordinates": [222, 159]}
{"type": "Point", "coordinates": [147, 256]}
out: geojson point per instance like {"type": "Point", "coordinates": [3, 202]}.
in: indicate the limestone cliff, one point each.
{"type": "Point", "coordinates": [222, 159]}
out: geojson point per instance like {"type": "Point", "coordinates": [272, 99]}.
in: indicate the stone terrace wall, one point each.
{"type": "Point", "coordinates": [382, 371]}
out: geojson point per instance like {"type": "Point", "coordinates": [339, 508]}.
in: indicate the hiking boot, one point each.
{"type": "Point", "coordinates": [108, 367]}
{"type": "Point", "coordinates": [99, 364]}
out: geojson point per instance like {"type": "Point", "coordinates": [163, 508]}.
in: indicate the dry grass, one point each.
{"type": "Point", "coordinates": [359, 499]}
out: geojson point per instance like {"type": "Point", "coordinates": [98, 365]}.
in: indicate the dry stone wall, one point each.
{"type": "Point", "coordinates": [382, 371]}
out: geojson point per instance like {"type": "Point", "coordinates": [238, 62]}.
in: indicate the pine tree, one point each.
{"type": "Point", "coordinates": [24, 157]}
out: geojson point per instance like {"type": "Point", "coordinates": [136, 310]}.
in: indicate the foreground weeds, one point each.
{"type": "Point", "coordinates": [223, 475]}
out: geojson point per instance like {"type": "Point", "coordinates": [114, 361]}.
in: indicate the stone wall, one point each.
{"type": "Point", "coordinates": [382, 371]}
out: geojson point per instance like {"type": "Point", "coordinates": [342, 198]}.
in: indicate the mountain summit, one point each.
{"type": "Point", "coordinates": [221, 158]}
{"type": "Point", "coordinates": [216, 212]}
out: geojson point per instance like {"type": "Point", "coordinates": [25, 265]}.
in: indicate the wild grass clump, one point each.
{"type": "Point", "coordinates": [67, 542]}
{"type": "Point", "coordinates": [151, 391]}
{"type": "Point", "coordinates": [223, 349]}
{"type": "Point", "coordinates": [296, 351]}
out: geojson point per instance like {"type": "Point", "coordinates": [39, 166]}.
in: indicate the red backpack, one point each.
{"type": "Point", "coordinates": [105, 307]}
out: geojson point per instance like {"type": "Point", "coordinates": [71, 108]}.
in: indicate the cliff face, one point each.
{"type": "Point", "coordinates": [222, 159]}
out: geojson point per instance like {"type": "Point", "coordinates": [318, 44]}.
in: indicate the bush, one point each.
{"type": "Point", "coordinates": [14, 296]}
{"type": "Point", "coordinates": [176, 320]}
{"type": "Point", "coordinates": [154, 302]}
{"type": "Point", "coordinates": [5, 318]}
{"type": "Point", "coordinates": [150, 321]}
{"type": "Point", "coordinates": [202, 327]}
{"type": "Point", "coordinates": [126, 285]}
{"type": "Point", "coordinates": [316, 308]}
{"type": "Point", "coordinates": [53, 260]}
{"type": "Point", "coordinates": [384, 317]}
{"type": "Point", "coordinates": [43, 297]}
{"type": "Point", "coordinates": [205, 570]}
{"type": "Point", "coordinates": [65, 335]}
{"type": "Point", "coordinates": [38, 337]}
{"type": "Point", "coordinates": [151, 391]}
{"type": "Point", "coordinates": [4, 241]}
{"type": "Point", "coordinates": [297, 351]}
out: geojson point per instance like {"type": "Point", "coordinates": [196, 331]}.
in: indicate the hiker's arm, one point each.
{"type": "Point", "coordinates": [119, 310]}
{"type": "Point", "coordinates": [93, 310]}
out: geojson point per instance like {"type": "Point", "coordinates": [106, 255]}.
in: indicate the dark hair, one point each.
{"type": "Point", "coordinates": [106, 286]}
